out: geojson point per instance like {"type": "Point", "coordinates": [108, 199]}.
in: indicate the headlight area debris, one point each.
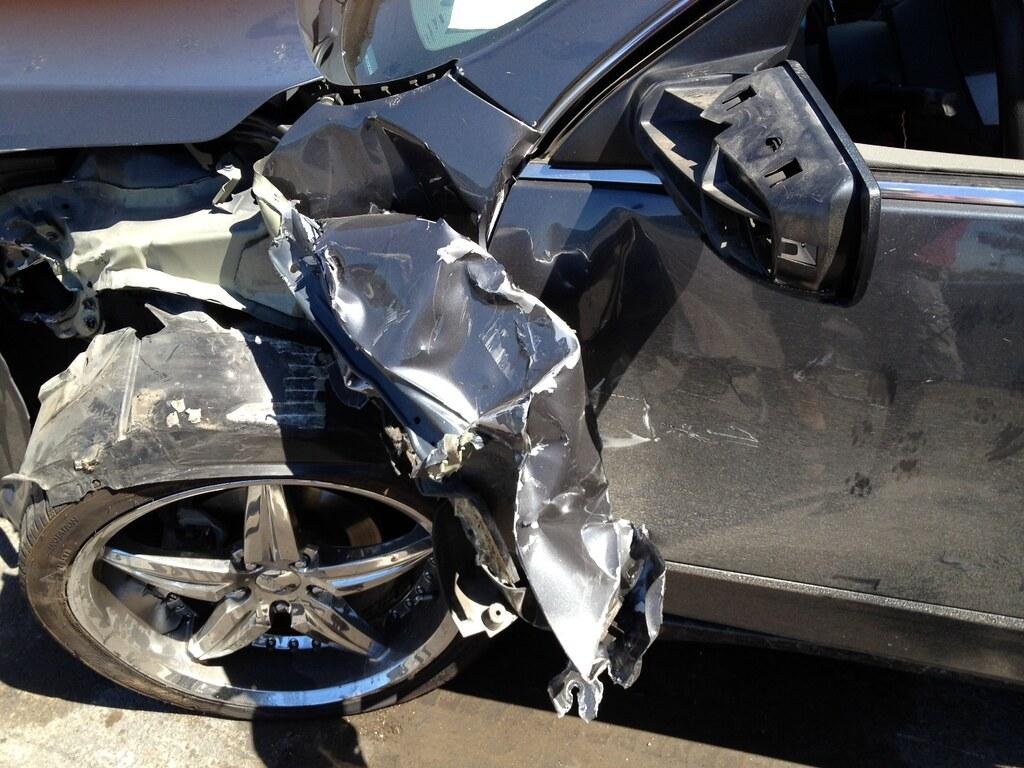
{"type": "Point", "coordinates": [427, 323]}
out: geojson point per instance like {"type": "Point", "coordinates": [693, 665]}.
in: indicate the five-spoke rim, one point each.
{"type": "Point", "coordinates": [275, 579]}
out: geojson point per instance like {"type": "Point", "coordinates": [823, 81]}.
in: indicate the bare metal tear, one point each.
{"type": "Point", "coordinates": [428, 323]}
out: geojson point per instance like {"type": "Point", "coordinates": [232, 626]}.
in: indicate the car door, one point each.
{"type": "Point", "coordinates": [842, 424]}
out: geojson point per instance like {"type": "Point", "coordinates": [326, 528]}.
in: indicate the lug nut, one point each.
{"type": "Point", "coordinates": [279, 607]}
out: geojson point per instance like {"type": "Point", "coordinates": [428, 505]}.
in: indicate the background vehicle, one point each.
{"type": "Point", "coordinates": [788, 241]}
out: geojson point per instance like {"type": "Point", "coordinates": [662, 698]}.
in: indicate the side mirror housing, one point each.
{"type": "Point", "coordinates": [778, 186]}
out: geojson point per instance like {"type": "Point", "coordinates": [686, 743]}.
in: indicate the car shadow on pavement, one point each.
{"type": "Point", "coordinates": [771, 704]}
{"type": "Point", "coordinates": [778, 704]}
{"type": "Point", "coordinates": [330, 742]}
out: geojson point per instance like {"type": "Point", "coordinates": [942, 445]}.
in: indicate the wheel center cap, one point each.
{"type": "Point", "coordinates": [278, 582]}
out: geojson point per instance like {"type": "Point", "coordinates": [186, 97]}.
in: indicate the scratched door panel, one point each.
{"type": "Point", "coordinates": [876, 448]}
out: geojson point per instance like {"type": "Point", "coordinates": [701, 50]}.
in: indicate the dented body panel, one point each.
{"type": "Point", "coordinates": [421, 320]}
{"type": "Point", "coordinates": [426, 322]}
{"type": "Point", "coordinates": [405, 153]}
{"type": "Point", "coordinates": [898, 419]}
{"type": "Point", "coordinates": [603, 401]}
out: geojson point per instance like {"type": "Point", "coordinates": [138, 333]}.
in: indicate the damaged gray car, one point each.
{"type": "Point", "coordinates": [338, 336]}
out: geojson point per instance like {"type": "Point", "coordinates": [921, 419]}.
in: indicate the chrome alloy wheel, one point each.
{"type": "Point", "coordinates": [194, 589]}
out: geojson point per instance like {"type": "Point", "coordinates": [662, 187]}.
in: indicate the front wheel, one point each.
{"type": "Point", "coordinates": [249, 596]}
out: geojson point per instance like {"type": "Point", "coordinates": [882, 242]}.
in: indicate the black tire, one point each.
{"type": "Point", "coordinates": [51, 538]}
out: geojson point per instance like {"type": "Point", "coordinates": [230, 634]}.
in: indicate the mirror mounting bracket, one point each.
{"type": "Point", "coordinates": [777, 185]}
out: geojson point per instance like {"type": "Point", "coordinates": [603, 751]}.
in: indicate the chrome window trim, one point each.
{"type": "Point", "coordinates": [891, 190]}
{"type": "Point", "coordinates": [541, 171]}
{"type": "Point", "coordinates": [952, 193]}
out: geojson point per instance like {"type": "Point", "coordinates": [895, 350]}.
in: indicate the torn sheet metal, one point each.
{"type": "Point", "coordinates": [130, 411]}
{"type": "Point", "coordinates": [428, 323]}
{"type": "Point", "coordinates": [406, 153]}
{"type": "Point", "coordinates": [187, 236]}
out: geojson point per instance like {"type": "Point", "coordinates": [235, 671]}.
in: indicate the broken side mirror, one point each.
{"type": "Point", "coordinates": [763, 164]}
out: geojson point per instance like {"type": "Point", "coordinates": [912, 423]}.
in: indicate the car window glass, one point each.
{"type": "Point", "coordinates": [376, 41]}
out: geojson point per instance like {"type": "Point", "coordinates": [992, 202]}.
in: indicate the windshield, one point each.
{"type": "Point", "coordinates": [361, 42]}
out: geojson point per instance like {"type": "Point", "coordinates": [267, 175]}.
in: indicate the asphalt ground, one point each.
{"type": "Point", "coordinates": [694, 705]}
